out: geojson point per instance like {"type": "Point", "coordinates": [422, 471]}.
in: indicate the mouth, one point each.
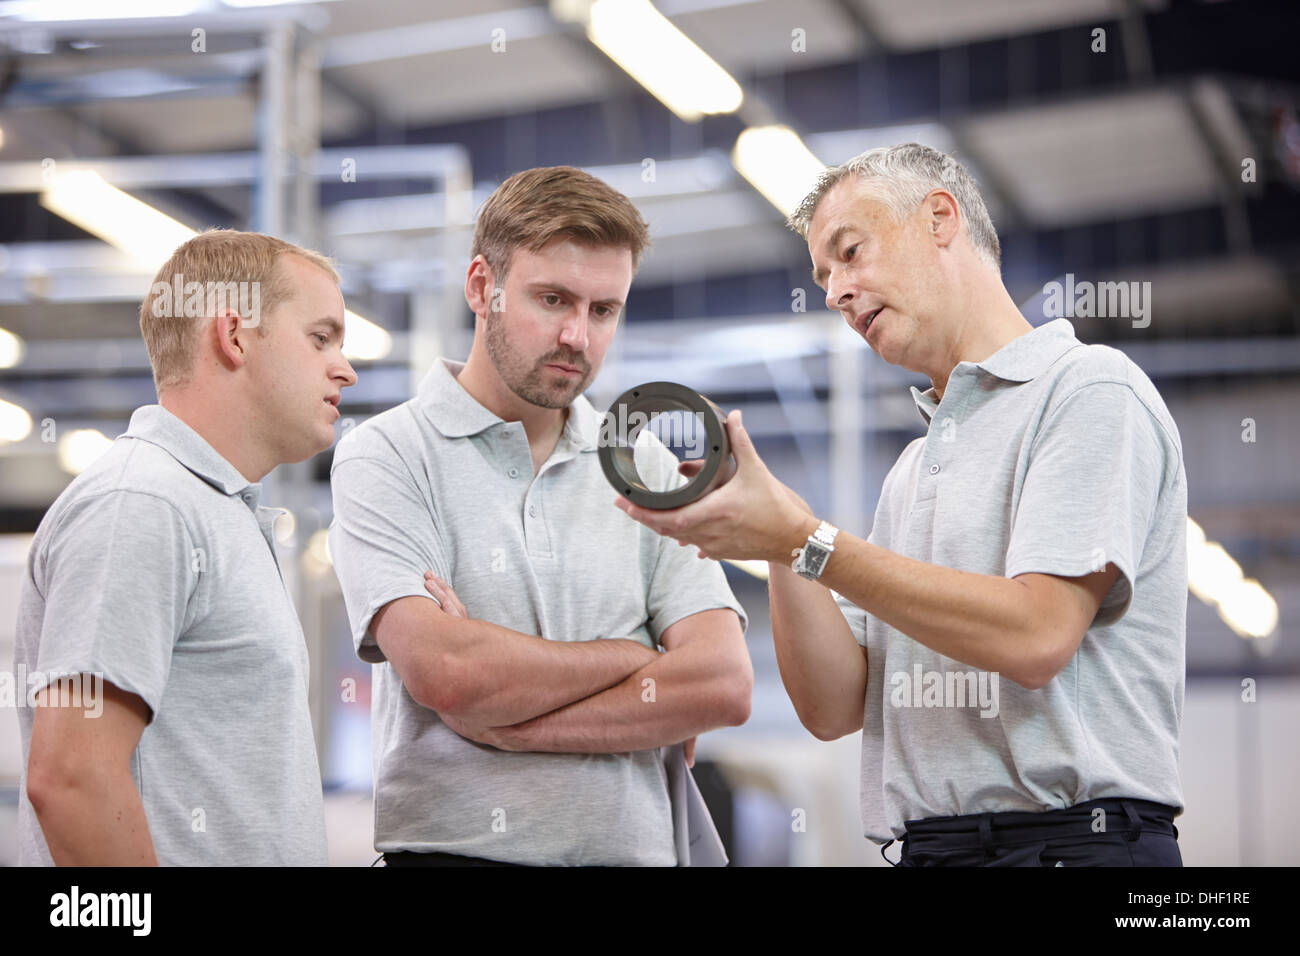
{"type": "Point", "coordinates": [567, 369]}
{"type": "Point", "coordinates": [871, 317]}
{"type": "Point", "coordinates": [333, 403]}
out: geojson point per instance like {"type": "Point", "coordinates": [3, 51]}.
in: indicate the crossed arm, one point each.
{"type": "Point", "coordinates": [516, 691]}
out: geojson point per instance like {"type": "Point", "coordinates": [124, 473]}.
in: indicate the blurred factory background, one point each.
{"type": "Point", "coordinates": [1146, 141]}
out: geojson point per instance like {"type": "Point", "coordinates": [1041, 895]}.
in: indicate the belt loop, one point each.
{"type": "Point", "coordinates": [1134, 821]}
{"type": "Point", "coordinates": [986, 833]}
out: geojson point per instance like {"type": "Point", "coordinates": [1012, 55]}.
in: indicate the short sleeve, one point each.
{"type": "Point", "coordinates": [1091, 492]}
{"type": "Point", "coordinates": [854, 616]}
{"type": "Point", "coordinates": [684, 584]}
{"type": "Point", "coordinates": [381, 541]}
{"type": "Point", "coordinates": [117, 579]}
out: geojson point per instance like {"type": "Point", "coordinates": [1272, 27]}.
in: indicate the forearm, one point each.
{"type": "Point", "coordinates": [822, 666]}
{"type": "Point", "coordinates": [986, 621]}
{"type": "Point", "coordinates": [95, 823]}
{"type": "Point", "coordinates": [501, 677]}
{"type": "Point", "coordinates": [685, 692]}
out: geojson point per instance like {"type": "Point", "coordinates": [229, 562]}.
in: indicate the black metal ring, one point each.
{"type": "Point", "coordinates": [628, 415]}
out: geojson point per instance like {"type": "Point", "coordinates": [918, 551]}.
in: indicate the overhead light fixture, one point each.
{"type": "Point", "coordinates": [15, 423]}
{"type": "Point", "coordinates": [150, 236]}
{"type": "Point", "coordinates": [269, 3]}
{"type": "Point", "coordinates": [284, 526]}
{"type": "Point", "coordinates": [146, 234]}
{"type": "Point", "coordinates": [11, 349]}
{"type": "Point", "coordinates": [778, 164]}
{"type": "Point", "coordinates": [316, 558]}
{"type": "Point", "coordinates": [79, 449]}
{"type": "Point", "coordinates": [363, 340]}
{"type": "Point", "coordinates": [1249, 609]}
{"type": "Point", "coordinates": [656, 54]}
{"type": "Point", "coordinates": [96, 9]}
{"type": "Point", "coordinates": [1214, 577]}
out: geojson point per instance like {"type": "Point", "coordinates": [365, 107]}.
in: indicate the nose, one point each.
{"type": "Point", "coordinates": [839, 295]}
{"type": "Point", "coordinates": [573, 334]}
{"type": "Point", "coordinates": [345, 373]}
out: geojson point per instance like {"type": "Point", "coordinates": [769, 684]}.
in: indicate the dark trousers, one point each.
{"type": "Point", "coordinates": [1130, 833]}
{"type": "Point", "coordinates": [406, 858]}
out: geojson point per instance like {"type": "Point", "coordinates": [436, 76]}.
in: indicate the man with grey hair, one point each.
{"type": "Point", "coordinates": [1036, 532]}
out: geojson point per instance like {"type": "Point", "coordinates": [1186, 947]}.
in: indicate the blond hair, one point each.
{"type": "Point", "coordinates": [537, 205]}
{"type": "Point", "coordinates": [217, 258]}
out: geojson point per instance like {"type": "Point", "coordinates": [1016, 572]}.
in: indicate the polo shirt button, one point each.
{"type": "Point", "coordinates": [513, 472]}
{"type": "Point", "coordinates": [934, 469]}
{"type": "Point", "coordinates": [532, 511]}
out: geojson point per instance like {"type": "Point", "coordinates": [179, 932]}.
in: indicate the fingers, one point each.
{"type": "Point", "coordinates": [741, 444]}
{"type": "Point", "coordinates": [444, 595]}
{"type": "Point", "coordinates": [691, 467]}
{"type": "Point", "coordinates": [689, 748]}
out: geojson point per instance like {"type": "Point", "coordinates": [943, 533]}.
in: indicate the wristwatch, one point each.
{"type": "Point", "coordinates": [810, 560]}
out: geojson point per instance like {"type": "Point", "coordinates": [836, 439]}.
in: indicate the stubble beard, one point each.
{"type": "Point", "coordinates": [529, 382]}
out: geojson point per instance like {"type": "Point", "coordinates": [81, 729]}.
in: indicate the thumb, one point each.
{"type": "Point", "coordinates": [741, 444]}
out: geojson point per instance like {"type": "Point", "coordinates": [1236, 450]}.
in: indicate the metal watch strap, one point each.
{"type": "Point", "coordinates": [810, 560]}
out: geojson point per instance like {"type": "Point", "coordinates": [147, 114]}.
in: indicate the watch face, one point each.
{"type": "Point", "coordinates": [814, 559]}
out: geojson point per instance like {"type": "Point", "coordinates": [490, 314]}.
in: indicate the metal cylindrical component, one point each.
{"type": "Point", "coordinates": [663, 445]}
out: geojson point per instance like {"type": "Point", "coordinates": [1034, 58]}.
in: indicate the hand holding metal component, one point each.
{"type": "Point", "coordinates": [663, 445]}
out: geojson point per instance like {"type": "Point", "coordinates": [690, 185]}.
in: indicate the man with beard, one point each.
{"type": "Point", "coordinates": [518, 718]}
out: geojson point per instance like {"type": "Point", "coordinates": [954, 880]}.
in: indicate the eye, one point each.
{"type": "Point", "coordinates": [550, 298]}
{"type": "Point", "coordinates": [848, 253]}
{"type": "Point", "coordinates": [605, 311]}
{"type": "Point", "coordinates": [324, 339]}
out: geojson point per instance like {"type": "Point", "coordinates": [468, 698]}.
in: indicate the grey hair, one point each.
{"type": "Point", "coordinates": [904, 176]}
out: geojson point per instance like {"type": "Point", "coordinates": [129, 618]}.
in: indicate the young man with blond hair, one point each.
{"type": "Point", "coordinates": [154, 576]}
{"type": "Point", "coordinates": [519, 715]}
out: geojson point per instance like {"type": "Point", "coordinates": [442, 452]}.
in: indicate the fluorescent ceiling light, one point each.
{"type": "Point", "coordinates": [778, 164]}
{"type": "Point", "coordinates": [363, 339]}
{"type": "Point", "coordinates": [51, 10]}
{"type": "Point", "coordinates": [657, 55]}
{"type": "Point", "coordinates": [1215, 578]}
{"type": "Point", "coordinates": [15, 423]}
{"type": "Point", "coordinates": [83, 197]}
{"type": "Point", "coordinates": [284, 525]}
{"type": "Point", "coordinates": [150, 237]}
{"type": "Point", "coordinates": [11, 349]}
{"type": "Point", "coordinates": [268, 3]}
{"type": "Point", "coordinates": [79, 449]}
{"type": "Point", "coordinates": [1249, 609]}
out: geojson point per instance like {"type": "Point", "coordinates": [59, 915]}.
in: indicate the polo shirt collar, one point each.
{"type": "Point", "coordinates": [1022, 359]}
{"type": "Point", "coordinates": [158, 426]}
{"type": "Point", "coordinates": [1025, 358]}
{"type": "Point", "coordinates": [451, 409]}
{"type": "Point", "coordinates": [457, 414]}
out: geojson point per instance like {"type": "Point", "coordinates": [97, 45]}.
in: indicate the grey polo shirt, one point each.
{"type": "Point", "coordinates": [442, 483]}
{"type": "Point", "coordinates": [1055, 457]}
{"type": "Point", "coordinates": [156, 569]}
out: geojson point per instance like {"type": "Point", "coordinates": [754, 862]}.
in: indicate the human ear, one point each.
{"type": "Point", "coordinates": [943, 216]}
{"type": "Point", "coordinates": [230, 339]}
{"type": "Point", "coordinates": [480, 280]}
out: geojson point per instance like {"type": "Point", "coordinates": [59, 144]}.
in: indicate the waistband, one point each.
{"type": "Point", "coordinates": [1122, 815]}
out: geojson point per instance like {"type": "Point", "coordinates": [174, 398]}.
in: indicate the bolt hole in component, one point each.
{"type": "Point", "coordinates": [663, 445]}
